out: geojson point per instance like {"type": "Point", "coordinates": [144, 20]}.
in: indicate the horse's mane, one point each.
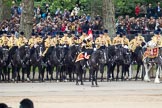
{"type": "Point", "coordinates": [138, 49]}
{"type": "Point", "coordinates": [111, 50]}
{"type": "Point", "coordinates": [1, 52]}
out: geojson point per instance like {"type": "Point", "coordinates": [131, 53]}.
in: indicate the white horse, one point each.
{"type": "Point", "coordinates": [150, 62]}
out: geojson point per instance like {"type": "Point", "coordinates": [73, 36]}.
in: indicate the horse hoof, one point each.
{"type": "Point", "coordinates": [28, 80]}
{"type": "Point", "coordinates": [57, 81]}
{"type": "Point", "coordinates": [157, 81]}
{"type": "Point", "coordinates": [65, 80]}
{"type": "Point", "coordinates": [82, 84]}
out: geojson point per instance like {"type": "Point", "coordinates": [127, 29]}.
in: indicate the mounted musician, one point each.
{"type": "Point", "coordinates": [5, 40]}
{"type": "Point", "coordinates": [21, 41]}
{"type": "Point", "coordinates": [47, 43]}
{"type": "Point", "coordinates": [101, 42]}
{"type": "Point", "coordinates": [12, 40]}
{"type": "Point", "coordinates": [107, 38]}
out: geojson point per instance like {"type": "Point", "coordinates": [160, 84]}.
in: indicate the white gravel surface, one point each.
{"type": "Point", "coordinates": [127, 94]}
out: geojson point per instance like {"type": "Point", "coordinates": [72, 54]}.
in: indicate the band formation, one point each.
{"type": "Point", "coordinates": [70, 39]}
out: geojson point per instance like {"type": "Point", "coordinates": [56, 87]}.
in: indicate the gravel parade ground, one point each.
{"type": "Point", "coordinates": [126, 94]}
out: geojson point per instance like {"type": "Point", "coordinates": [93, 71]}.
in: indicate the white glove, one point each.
{"type": "Point", "coordinates": [126, 46]}
{"type": "Point", "coordinates": [94, 49]}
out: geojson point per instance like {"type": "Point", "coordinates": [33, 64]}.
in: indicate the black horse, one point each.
{"type": "Point", "coordinates": [69, 61]}
{"type": "Point", "coordinates": [19, 60]}
{"type": "Point", "coordinates": [108, 61]}
{"type": "Point", "coordinates": [36, 61]}
{"type": "Point", "coordinates": [127, 62]}
{"type": "Point", "coordinates": [16, 62]}
{"type": "Point", "coordinates": [110, 53]}
{"type": "Point", "coordinates": [95, 60]}
{"type": "Point", "coordinates": [25, 57]}
{"type": "Point", "coordinates": [60, 67]}
{"type": "Point", "coordinates": [121, 58]}
{"type": "Point", "coordinates": [80, 67]}
{"type": "Point", "coordinates": [1, 64]}
{"type": "Point", "coordinates": [53, 60]}
{"type": "Point", "coordinates": [137, 57]}
{"type": "Point", "coordinates": [6, 67]}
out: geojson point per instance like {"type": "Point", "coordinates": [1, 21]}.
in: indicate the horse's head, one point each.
{"type": "Point", "coordinates": [61, 52]}
{"type": "Point", "coordinates": [127, 56]}
{"type": "Point", "coordinates": [16, 58]}
{"type": "Point", "coordinates": [27, 51]}
{"type": "Point", "coordinates": [39, 50]}
{"type": "Point", "coordinates": [5, 54]}
{"type": "Point", "coordinates": [73, 52]}
{"type": "Point", "coordinates": [118, 53]}
{"type": "Point", "coordinates": [100, 55]}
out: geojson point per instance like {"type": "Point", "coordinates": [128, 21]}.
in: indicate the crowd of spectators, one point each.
{"type": "Point", "coordinates": [146, 20]}
{"type": "Point", "coordinates": [143, 25]}
{"type": "Point", "coordinates": [61, 21]}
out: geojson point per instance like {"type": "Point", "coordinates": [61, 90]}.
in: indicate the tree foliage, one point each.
{"type": "Point", "coordinates": [122, 7]}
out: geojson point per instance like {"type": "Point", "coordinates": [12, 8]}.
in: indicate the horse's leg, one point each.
{"type": "Point", "coordinates": [69, 70]}
{"type": "Point", "coordinates": [138, 68]}
{"type": "Point", "coordinates": [61, 73]}
{"type": "Point", "coordinates": [108, 72]}
{"type": "Point", "coordinates": [23, 73]}
{"type": "Point", "coordinates": [93, 76]}
{"type": "Point", "coordinates": [18, 74]}
{"type": "Point", "coordinates": [0, 74]}
{"type": "Point", "coordinates": [127, 71]}
{"type": "Point", "coordinates": [52, 69]}
{"type": "Point", "coordinates": [112, 71]}
{"type": "Point", "coordinates": [28, 73]}
{"type": "Point", "coordinates": [84, 73]}
{"type": "Point", "coordinates": [57, 73]}
{"type": "Point", "coordinates": [117, 72]}
{"type": "Point", "coordinates": [5, 72]}
{"type": "Point", "coordinates": [66, 73]}
{"type": "Point", "coordinates": [90, 75]}
{"type": "Point", "coordinates": [47, 72]}
{"type": "Point", "coordinates": [8, 72]}
{"type": "Point", "coordinates": [141, 71]}
{"type": "Point", "coordinates": [73, 74]}
{"type": "Point", "coordinates": [96, 76]}
{"type": "Point", "coordinates": [130, 72]}
{"type": "Point", "coordinates": [157, 75]}
{"type": "Point", "coordinates": [123, 72]}
{"type": "Point", "coordinates": [77, 78]}
{"type": "Point", "coordinates": [81, 78]}
{"type": "Point", "coordinates": [43, 71]}
{"type": "Point", "coordinates": [101, 71]}
{"type": "Point", "coordinates": [40, 69]}
{"type": "Point", "coordinates": [19, 78]}
{"type": "Point", "coordinates": [147, 78]}
{"type": "Point", "coordinates": [33, 70]}
{"type": "Point", "coordinates": [13, 73]}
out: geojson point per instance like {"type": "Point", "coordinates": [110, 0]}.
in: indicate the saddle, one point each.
{"type": "Point", "coordinates": [81, 56]}
{"type": "Point", "coordinates": [151, 52]}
